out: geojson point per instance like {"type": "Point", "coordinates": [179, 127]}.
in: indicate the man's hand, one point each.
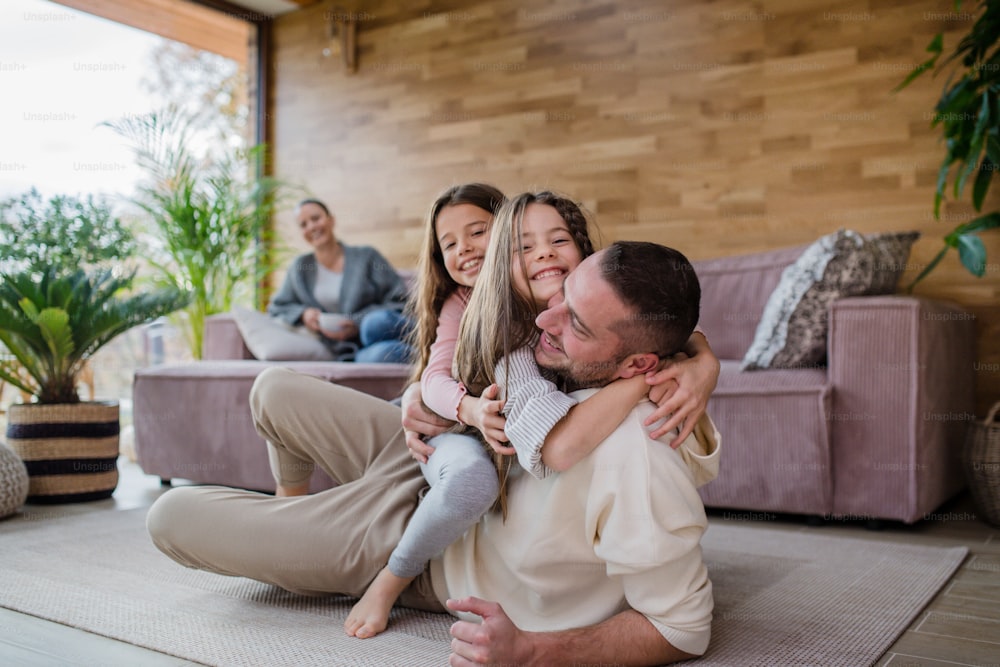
{"type": "Point", "coordinates": [420, 422]}
{"type": "Point", "coordinates": [494, 641]}
{"type": "Point", "coordinates": [682, 388]}
{"type": "Point", "coordinates": [627, 638]}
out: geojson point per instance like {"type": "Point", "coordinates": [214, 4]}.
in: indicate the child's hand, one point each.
{"type": "Point", "coordinates": [680, 390]}
{"type": "Point", "coordinates": [638, 385]}
{"type": "Point", "coordinates": [484, 414]}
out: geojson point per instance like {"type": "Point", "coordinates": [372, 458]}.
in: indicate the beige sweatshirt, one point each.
{"type": "Point", "coordinates": [619, 530]}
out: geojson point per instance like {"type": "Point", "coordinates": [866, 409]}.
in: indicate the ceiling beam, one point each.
{"type": "Point", "coordinates": [182, 21]}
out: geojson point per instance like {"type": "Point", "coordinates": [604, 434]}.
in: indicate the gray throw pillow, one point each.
{"type": "Point", "coordinates": [271, 339]}
{"type": "Point", "coordinates": [792, 330]}
{"type": "Point", "coordinates": [892, 251]}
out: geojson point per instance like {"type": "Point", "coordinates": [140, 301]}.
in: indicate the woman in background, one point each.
{"type": "Point", "coordinates": [350, 295]}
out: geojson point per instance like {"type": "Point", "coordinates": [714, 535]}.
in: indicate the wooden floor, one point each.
{"type": "Point", "coordinates": [961, 626]}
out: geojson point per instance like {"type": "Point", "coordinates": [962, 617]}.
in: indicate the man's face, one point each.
{"type": "Point", "coordinates": [577, 341]}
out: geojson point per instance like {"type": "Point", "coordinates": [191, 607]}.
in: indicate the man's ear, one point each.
{"type": "Point", "coordinates": [638, 364]}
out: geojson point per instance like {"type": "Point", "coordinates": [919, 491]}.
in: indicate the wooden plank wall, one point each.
{"type": "Point", "coordinates": [720, 128]}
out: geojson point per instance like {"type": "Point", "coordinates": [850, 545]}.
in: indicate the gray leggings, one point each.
{"type": "Point", "coordinates": [463, 487]}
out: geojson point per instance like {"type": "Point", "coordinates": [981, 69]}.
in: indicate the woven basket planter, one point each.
{"type": "Point", "coordinates": [69, 449]}
{"type": "Point", "coordinates": [13, 482]}
{"type": "Point", "coordinates": [981, 460]}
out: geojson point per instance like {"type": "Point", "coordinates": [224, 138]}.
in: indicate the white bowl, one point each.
{"type": "Point", "coordinates": [332, 321]}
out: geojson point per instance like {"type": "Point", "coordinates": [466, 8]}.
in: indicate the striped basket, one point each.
{"type": "Point", "coordinates": [69, 449]}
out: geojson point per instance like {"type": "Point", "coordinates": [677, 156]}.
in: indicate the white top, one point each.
{"type": "Point", "coordinates": [327, 288]}
{"type": "Point", "coordinates": [620, 529]}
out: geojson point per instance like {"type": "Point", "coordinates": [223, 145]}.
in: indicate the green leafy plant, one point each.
{"type": "Point", "coordinates": [52, 323]}
{"type": "Point", "coordinates": [211, 214]}
{"type": "Point", "coordinates": [968, 113]}
{"type": "Point", "coordinates": [64, 231]}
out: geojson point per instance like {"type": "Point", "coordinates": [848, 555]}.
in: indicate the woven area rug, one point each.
{"type": "Point", "coordinates": [782, 598]}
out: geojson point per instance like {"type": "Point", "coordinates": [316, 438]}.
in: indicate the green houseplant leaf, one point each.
{"type": "Point", "coordinates": [982, 184]}
{"type": "Point", "coordinates": [52, 323]}
{"type": "Point", "coordinates": [968, 115]}
{"type": "Point", "coordinates": [972, 253]}
{"type": "Point", "coordinates": [936, 47]}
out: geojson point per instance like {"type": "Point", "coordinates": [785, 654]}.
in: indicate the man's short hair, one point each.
{"type": "Point", "coordinates": [659, 285]}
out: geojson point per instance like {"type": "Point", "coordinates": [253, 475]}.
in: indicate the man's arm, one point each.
{"type": "Point", "coordinates": [627, 638]}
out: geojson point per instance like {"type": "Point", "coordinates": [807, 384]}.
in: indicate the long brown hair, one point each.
{"type": "Point", "coordinates": [432, 283]}
{"type": "Point", "coordinates": [499, 319]}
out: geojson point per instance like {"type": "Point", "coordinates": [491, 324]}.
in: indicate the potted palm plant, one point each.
{"type": "Point", "coordinates": [51, 323]}
{"type": "Point", "coordinates": [210, 212]}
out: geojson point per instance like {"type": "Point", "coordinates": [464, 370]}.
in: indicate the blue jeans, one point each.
{"type": "Point", "coordinates": [381, 333]}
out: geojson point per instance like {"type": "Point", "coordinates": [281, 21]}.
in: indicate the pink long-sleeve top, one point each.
{"type": "Point", "coordinates": [441, 392]}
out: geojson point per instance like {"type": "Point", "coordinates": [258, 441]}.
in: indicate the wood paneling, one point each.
{"type": "Point", "coordinates": [720, 127]}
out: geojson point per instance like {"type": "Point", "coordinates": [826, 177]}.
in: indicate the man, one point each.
{"type": "Point", "coordinates": [600, 563]}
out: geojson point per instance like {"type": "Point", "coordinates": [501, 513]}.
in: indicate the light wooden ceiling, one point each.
{"type": "Point", "coordinates": [223, 32]}
{"type": "Point", "coordinates": [273, 7]}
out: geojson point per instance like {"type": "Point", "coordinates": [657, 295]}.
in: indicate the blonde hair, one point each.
{"type": "Point", "coordinates": [499, 319]}
{"type": "Point", "coordinates": [432, 283]}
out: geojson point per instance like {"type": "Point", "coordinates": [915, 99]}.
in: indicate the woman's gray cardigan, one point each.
{"type": "Point", "coordinates": [369, 283]}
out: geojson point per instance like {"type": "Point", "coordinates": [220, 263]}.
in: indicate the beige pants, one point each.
{"type": "Point", "coordinates": [334, 541]}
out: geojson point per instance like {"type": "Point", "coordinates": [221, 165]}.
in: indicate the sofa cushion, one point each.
{"type": "Point", "coordinates": [270, 339]}
{"type": "Point", "coordinates": [792, 330]}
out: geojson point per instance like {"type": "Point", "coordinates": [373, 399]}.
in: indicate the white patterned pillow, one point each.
{"type": "Point", "coordinates": [792, 330]}
{"type": "Point", "coordinates": [270, 339]}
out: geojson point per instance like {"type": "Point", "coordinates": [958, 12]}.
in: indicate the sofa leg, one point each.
{"type": "Point", "coordinates": [165, 481]}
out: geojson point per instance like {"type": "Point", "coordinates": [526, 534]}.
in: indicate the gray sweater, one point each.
{"type": "Point", "coordinates": [370, 283]}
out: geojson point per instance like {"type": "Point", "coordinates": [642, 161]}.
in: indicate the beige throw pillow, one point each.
{"type": "Point", "coordinates": [271, 339]}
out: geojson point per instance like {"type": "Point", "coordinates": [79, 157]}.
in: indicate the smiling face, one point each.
{"type": "Point", "coordinates": [316, 224]}
{"type": "Point", "coordinates": [463, 234]}
{"type": "Point", "coordinates": [547, 254]}
{"type": "Point", "coordinates": [578, 340]}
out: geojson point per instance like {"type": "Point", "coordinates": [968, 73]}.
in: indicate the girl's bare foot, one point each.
{"type": "Point", "coordinates": [370, 615]}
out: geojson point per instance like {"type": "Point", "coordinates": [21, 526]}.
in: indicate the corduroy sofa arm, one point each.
{"type": "Point", "coordinates": [222, 339]}
{"type": "Point", "coordinates": [901, 368]}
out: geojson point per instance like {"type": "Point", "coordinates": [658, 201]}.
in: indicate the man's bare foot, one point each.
{"type": "Point", "coordinates": [283, 491]}
{"type": "Point", "coordinates": [370, 615]}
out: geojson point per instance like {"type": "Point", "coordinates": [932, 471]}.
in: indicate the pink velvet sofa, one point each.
{"type": "Point", "coordinates": [192, 420]}
{"type": "Point", "coordinates": [873, 435]}
{"type": "Point", "coordinates": [876, 434]}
